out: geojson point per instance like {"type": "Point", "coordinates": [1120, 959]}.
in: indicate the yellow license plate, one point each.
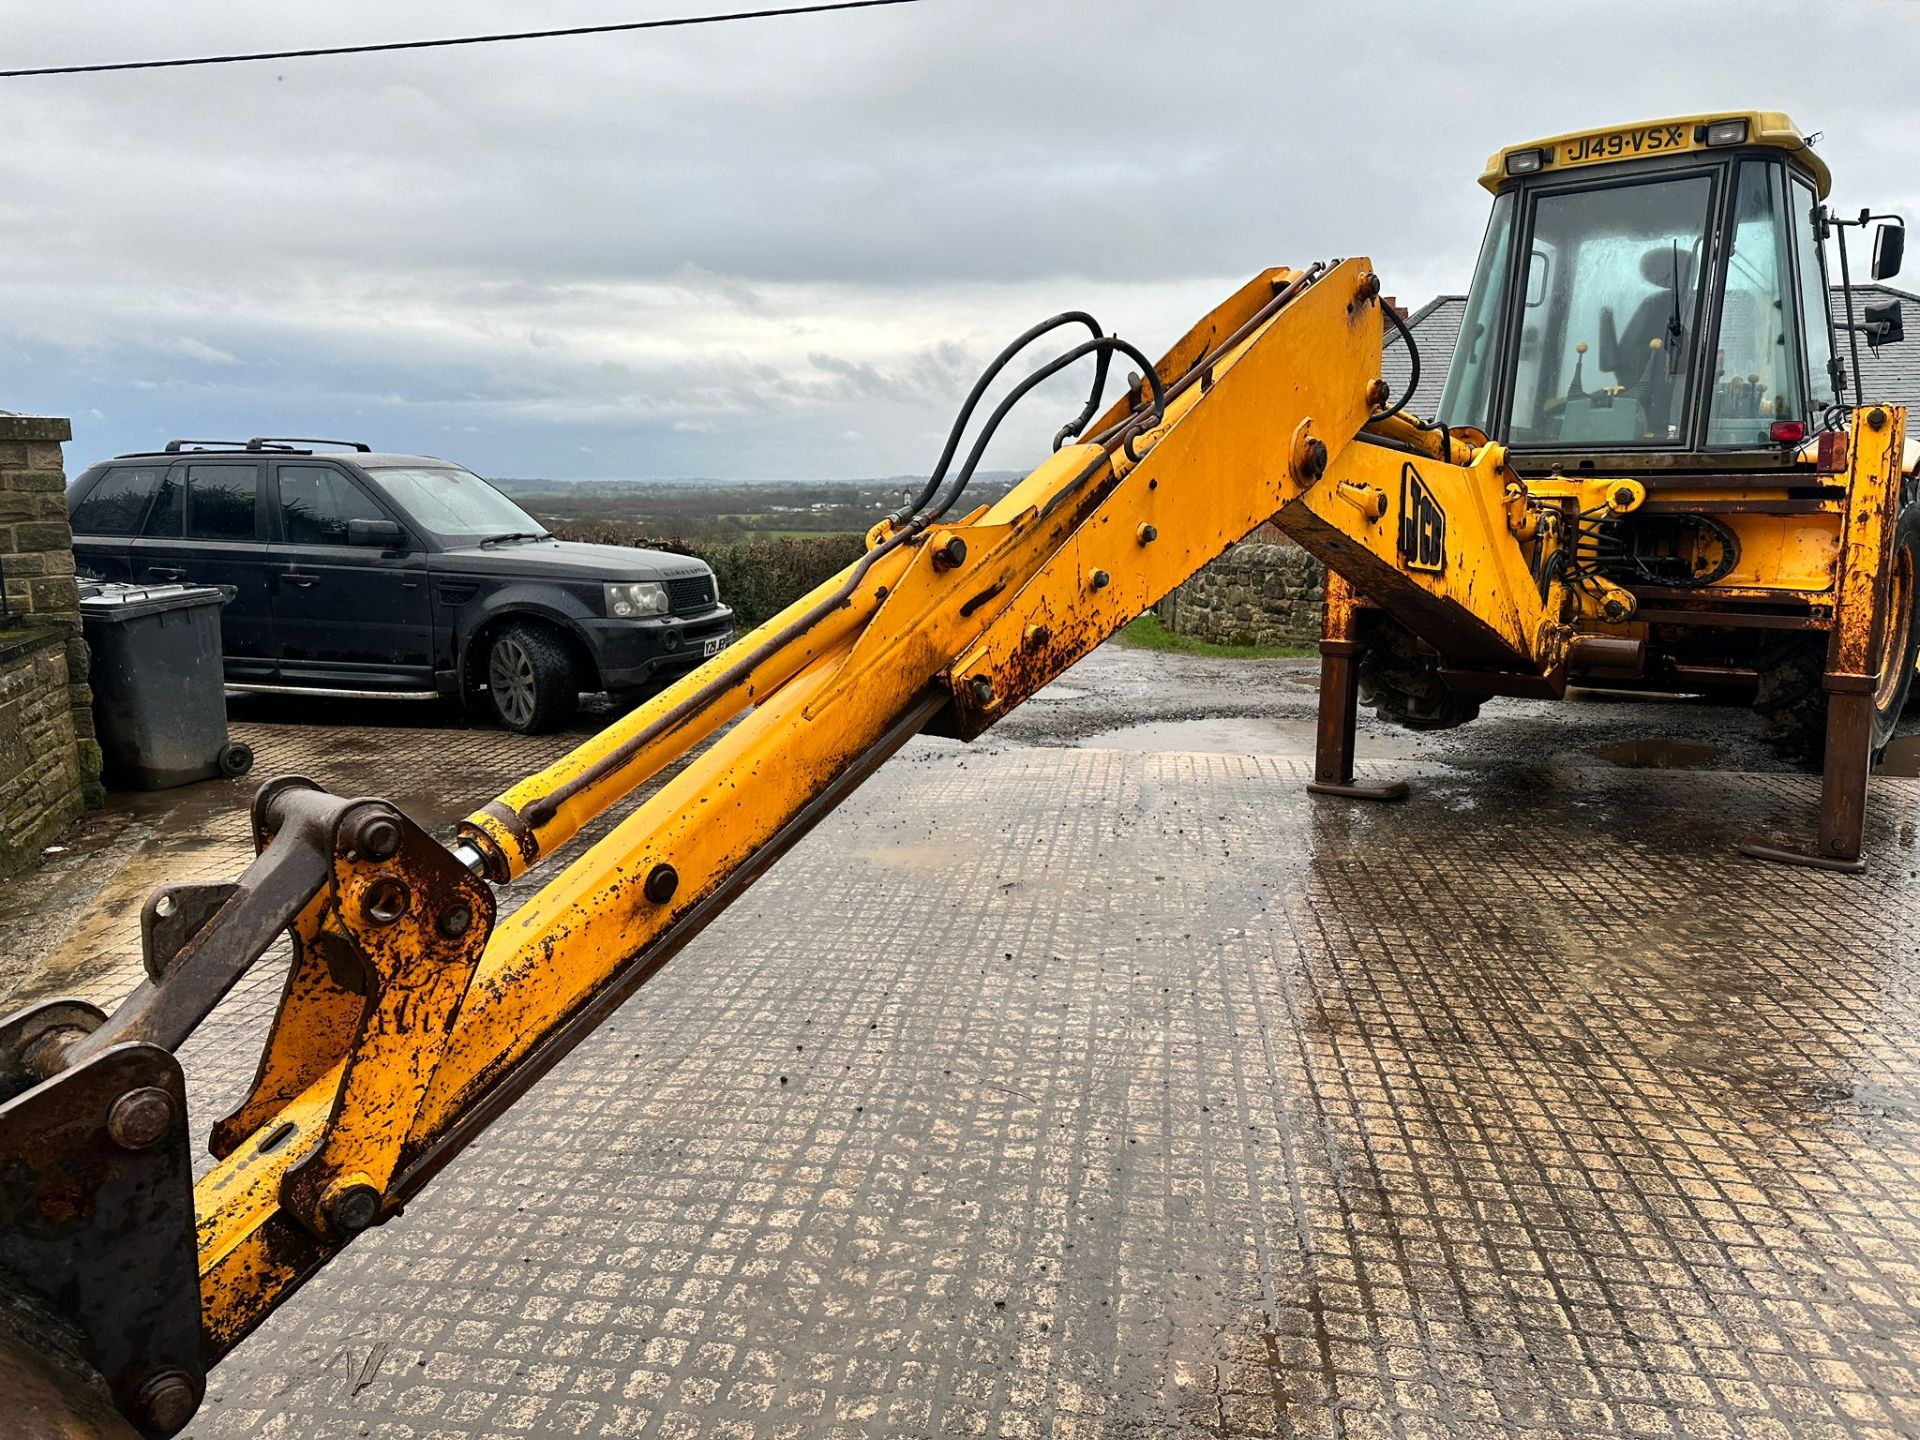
{"type": "Point", "coordinates": [1625, 144]}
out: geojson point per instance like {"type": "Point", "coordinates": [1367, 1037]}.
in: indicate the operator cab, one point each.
{"type": "Point", "coordinates": [1652, 295]}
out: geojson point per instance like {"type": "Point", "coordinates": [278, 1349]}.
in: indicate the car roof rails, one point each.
{"type": "Point", "coordinates": [231, 447]}
{"type": "Point", "coordinates": [281, 442]}
{"type": "Point", "coordinates": [278, 444]}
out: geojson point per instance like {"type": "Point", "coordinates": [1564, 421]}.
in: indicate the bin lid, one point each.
{"type": "Point", "coordinates": [115, 600]}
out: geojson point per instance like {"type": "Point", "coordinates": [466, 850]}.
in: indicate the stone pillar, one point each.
{"type": "Point", "coordinates": [36, 557]}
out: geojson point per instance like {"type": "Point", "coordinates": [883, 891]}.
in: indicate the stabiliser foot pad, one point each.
{"type": "Point", "coordinates": [1780, 855]}
{"type": "Point", "coordinates": [1392, 790]}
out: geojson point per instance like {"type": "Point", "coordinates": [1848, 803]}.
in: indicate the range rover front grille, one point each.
{"type": "Point", "coordinates": [689, 593]}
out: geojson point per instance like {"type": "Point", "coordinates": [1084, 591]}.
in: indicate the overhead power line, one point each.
{"type": "Point", "coordinates": [674, 23]}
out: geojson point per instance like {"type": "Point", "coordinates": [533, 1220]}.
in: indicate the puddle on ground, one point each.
{"type": "Point", "coordinates": [925, 856]}
{"type": "Point", "coordinates": [1902, 758]}
{"type": "Point", "coordinates": [182, 808]}
{"type": "Point", "coordinates": [1658, 754]}
{"type": "Point", "coordinates": [1060, 692]}
{"type": "Point", "coordinates": [1241, 735]}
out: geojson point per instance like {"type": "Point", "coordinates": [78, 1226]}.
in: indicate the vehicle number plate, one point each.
{"type": "Point", "coordinates": [712, 645]}
{"type": "Point", "coordinates": [1620, 144]}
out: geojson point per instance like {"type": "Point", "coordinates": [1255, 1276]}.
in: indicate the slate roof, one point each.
{"type": "Point", "coordinates": [1436, 327]}
{"type": "Point", "coordinates": [1893, 375]}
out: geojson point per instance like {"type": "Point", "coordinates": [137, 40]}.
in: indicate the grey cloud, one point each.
{"type": "Point", "coordinates": [752, 240]}
{"type": "Point", "coordinates": [935, 374]}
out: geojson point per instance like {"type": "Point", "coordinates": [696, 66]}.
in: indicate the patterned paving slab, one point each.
{"type": "Point", "coordinates": [1087, 1094]}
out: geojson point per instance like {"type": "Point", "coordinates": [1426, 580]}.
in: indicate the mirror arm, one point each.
{"type": "Point", "coordinates": [1846, 290]}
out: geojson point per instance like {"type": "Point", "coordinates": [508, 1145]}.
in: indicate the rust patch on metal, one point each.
{"type": "Point", "coordinates": [524, 838]}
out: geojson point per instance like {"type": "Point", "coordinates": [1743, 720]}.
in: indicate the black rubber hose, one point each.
{"type": "Point", "coordinates": [1073, 427]}
{"type": "Point", "coordinates": [1413, 355]}
{"type": "Point", "coordinates": [1104, 345]}
{"type": "Point", "coordinates": [987, 377]}
{"type": "Point", "coordinates": [1281, 298]}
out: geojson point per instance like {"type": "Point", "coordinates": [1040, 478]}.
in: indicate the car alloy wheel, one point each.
{"type": "Point", "coordinates": [510, 677]}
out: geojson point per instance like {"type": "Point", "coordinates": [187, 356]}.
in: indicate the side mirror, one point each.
{"type": "Point", "coordinates": [1889, 248]}
{"type": "Point", "coordinates": [1609, 356]}
{"type": "Point", "coordinates": [1882, 324]}
{"type": "Point", "coordinates": [383, 534]}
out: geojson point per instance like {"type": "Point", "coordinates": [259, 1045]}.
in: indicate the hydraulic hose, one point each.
{"type": "Point", "coordinates": [1413, 356]}
{"type": "Point", "coordinates": [541, 811]}
{"type": "Point", "coordinates": [974, 396]}
{"type": "Point", "coordinates": [1103, 345]}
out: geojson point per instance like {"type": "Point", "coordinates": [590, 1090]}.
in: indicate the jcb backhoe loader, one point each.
{"type": "Point", "coordinates": [1639, 478]}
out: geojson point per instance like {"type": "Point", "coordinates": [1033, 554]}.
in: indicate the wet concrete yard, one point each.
{"type": "Point", "coordinates": [1092, 1081]}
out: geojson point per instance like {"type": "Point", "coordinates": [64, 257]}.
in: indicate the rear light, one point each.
{"type": "Point", "coordinates": [1834, 448]}
{"type": "Point", "coordinates": [1787, 432]}
{"type": "Point", "coordinates": [1726, 132]}
{"type": "Point", "coordinates": [1524, 162]}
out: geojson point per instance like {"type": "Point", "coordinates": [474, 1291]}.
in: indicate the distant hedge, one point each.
{"type": "Point", "coordinates": [758, 578]}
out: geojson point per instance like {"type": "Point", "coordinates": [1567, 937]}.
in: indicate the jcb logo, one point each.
{"type": "Point", "coordinates": [1423, 524]}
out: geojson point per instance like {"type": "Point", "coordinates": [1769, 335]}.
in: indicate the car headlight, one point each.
{"type": "Point", "coordinates": [631, 599]}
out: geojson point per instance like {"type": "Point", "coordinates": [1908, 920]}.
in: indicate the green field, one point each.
{"type": "Point", "coordinates": [712, 512]}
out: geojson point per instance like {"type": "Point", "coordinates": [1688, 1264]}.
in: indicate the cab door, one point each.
{"type": "Point", "coordinates": [204, 528]}
{"type": "Point", "coordinates": [345, 616]}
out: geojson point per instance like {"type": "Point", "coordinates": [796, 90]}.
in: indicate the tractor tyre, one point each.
{"type": "Point", "coordinates": [1401, 680]}
{"type": "Point", "coordinates": [1792, 699]}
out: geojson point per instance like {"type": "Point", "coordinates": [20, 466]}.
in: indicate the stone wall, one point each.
{"type": "Point", "coordinates": [1259, 593]}
{"type": "Point", "coordinates": [49, 761]}
{"type": "Point", "coordinates": [42, 785]}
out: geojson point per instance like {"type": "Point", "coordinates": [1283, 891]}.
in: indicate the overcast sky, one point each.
{"type": "Point", "coordinates": [781, 249]}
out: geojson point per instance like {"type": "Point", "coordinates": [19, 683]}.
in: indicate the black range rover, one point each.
{"type": "Point", "coordinates": [401, 576]}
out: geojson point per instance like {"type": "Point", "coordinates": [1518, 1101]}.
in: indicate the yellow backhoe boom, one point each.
{"type": "Point", "coordinates": [412, 1013]}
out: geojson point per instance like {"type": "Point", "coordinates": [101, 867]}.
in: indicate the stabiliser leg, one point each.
{"type": "Point", "coordinates": [1877, 446]}
{"type": "Point", "coordinates": [1339, 705]}
{"type": "Point", "coordinates": [1843, 789]}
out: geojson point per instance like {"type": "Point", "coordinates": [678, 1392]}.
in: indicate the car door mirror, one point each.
{"type": "Point", "coordinates": [1889, 249]}
{"type": "Point", "coordinates": [384, 534]}
{"type": "Point", "coordinates": [1882, 325]}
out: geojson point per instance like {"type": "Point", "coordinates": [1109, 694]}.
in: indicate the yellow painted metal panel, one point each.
{"type": "Point", "coordinates": [1672, 135]}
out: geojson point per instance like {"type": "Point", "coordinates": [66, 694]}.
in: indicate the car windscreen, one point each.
{"type": "Point", "coordinates": [455, 505]}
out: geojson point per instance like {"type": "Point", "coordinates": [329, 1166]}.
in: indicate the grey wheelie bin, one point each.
{"type": "Point", "coordinates": [159, 692]}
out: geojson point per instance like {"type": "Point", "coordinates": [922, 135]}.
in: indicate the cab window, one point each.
{"type": "Point", "coordinates": [117, 501]}
{"type": "Point", "coordinates": [1816, 321]}
{"type": "Point", "coordinates": [1609, 312]}
{"type": "Point", "coordinates": [1756, 375]}
{"type": "Point", "coordinates": [1467, 397]}
{"type": "Point", "coordinates": [317, 501]}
